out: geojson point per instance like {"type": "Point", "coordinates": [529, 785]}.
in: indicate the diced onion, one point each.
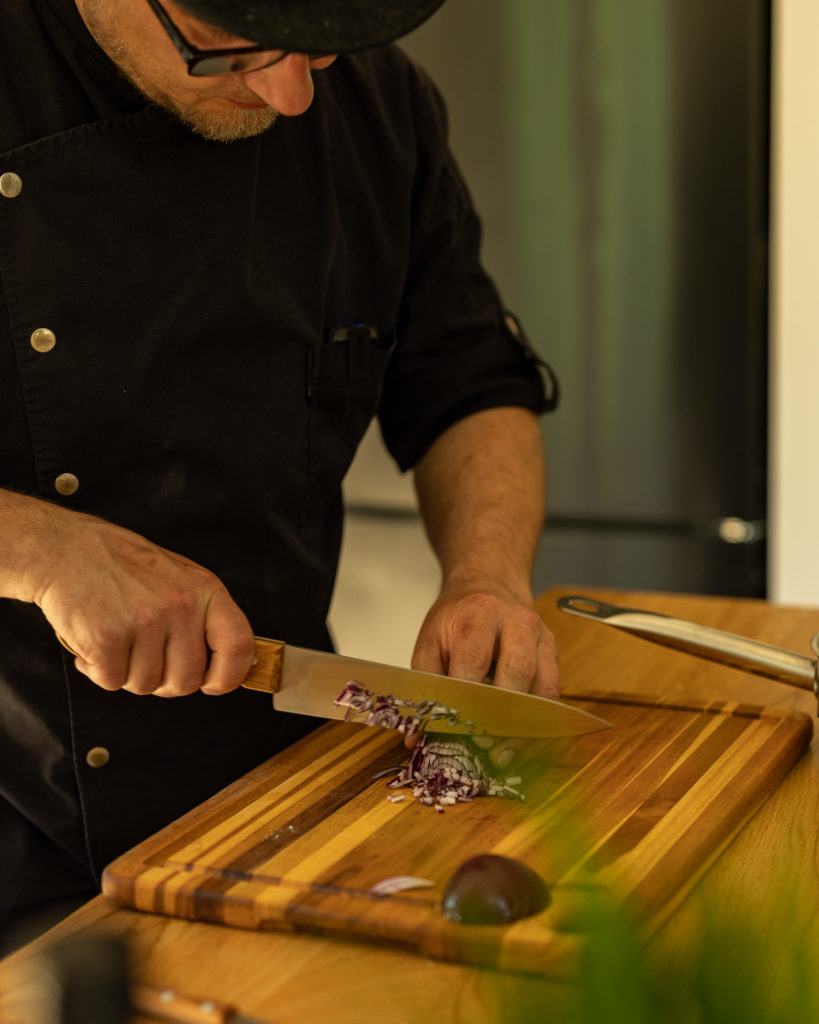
{"type": "Point", "coordinates": [442, 769]}
{"type": "Point", "coordinates": [400, 883]}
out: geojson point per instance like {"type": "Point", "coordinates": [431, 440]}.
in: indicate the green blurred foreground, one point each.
{"type": "Point", "coordinates": [755, 970]}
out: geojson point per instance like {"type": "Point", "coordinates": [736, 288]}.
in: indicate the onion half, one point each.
{"type": "Point", "coordinates": [489, 889]}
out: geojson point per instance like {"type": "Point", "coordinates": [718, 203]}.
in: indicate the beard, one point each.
{"type": "Point", "coordinates": [219, 126]}
{"type": "Point", "coordinates": [222, 127]}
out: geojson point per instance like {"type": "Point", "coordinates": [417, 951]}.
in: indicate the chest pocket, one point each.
{"type": "Point", "coordinates": [345, 375]}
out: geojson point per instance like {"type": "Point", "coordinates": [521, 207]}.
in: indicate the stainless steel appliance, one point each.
{"type": "Point", "coordinates": [618, 151]}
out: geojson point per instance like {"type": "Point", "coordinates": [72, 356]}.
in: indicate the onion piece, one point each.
{"type": "Point", "coordinates": [407, 716]}
{"type": "Point", "coordinates": [489, 889]}
{"type": "Point", "coordinates": [400, 883]}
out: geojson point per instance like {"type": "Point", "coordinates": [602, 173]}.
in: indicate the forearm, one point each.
{"type": "Point", "coordinates": [481, 492]}
{"type": "Point", "coordinates": [29, 533]}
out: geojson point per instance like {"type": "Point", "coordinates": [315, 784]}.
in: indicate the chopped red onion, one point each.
{"type": "Point", "coordinates": [442, 769]}
{"type": "Point", "coordinates": [386, 711]}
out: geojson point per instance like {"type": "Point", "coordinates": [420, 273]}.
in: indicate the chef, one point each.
{"type": "Point", "coordinates": [231, 234]}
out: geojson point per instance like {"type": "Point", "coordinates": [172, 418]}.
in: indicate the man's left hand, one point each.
{"type": "Point", "coordinates": [477, 632]}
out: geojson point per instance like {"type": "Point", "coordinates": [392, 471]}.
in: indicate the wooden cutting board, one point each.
{"type": "Point", "coordinates": [639, 811]}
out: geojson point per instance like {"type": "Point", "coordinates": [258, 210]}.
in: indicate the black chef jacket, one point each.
{"type": "Point", "coordinates": [225, 321]}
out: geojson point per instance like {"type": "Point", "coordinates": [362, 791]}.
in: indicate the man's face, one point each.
{"type": "Point", "coordinates": [224, 108]}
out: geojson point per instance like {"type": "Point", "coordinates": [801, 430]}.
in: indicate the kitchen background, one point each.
{"type": "Point", "coordinates": [618, 151]}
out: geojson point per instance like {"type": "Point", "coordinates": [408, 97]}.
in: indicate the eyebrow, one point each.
{"type": "Point", "coordinates": [220, 34]}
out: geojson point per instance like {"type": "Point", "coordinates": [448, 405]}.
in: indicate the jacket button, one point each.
{"type": "Point", "coordinates": [97, 757]}
{"type": "Point", "coordinates": [66, 483]}
{"type": "Point", "coordinates": [11, 185]}
{"type": "Point", "coordinates": [43, 340]}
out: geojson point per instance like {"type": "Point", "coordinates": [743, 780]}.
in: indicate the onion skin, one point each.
{"type": "Point", "coordinates": [489, 889]}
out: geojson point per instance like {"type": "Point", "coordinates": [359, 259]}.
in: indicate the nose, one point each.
{"type": "Point", "coordinates": [287, 86]}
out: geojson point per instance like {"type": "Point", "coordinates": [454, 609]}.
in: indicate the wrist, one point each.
{"type": "Point", "coordinates": [474, 580]}
{"type": "Point", "coordinates": [32, 534]}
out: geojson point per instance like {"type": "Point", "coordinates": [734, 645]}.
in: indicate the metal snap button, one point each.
{"type": "Point", "coordinates": [11, 185]}
{"type": "Point", "coordinates": [66, 483]}
{"type": "Point", "coordinates": [97, 757]}
{"type": "Point", "coordinates": [43, 340]}
{"type": "Point", "coordinates": [512, 325]}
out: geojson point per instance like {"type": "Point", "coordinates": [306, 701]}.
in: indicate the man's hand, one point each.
{"type": "Point", "coordinates": [476, 634]}
{"type": "Point", "coordinates": [480, 489]}
{"type": "Point", "coordinates": [139, 618]}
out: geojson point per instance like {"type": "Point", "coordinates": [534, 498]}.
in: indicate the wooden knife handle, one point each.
{"type": "Point", "coordinates": [167, 1004]}
{"type": "Point", "coordinates": [266, 673]}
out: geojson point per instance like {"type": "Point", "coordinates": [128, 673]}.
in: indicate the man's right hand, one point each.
{"type": "Point", "coordinates": [140, 618]}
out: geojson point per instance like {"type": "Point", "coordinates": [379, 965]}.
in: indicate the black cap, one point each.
{"type": "Point", "coordinates": [314, 26]}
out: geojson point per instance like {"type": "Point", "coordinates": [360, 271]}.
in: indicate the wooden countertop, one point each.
{"type": "Point", "coordinates": [299, 979]}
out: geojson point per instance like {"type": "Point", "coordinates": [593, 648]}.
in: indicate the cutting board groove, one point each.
{"type": "Point", "coordinates": [639, 811]}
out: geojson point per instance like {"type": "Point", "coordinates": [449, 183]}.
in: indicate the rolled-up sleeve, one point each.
{"type": "Point", "coordinates": [459, 350]}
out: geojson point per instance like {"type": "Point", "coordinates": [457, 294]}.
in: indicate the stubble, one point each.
{"type": "Point", "coordinates": [217, 126]}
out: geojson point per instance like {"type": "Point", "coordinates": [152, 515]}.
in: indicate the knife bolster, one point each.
{"type": "Point", "coordinates": [266, 673]}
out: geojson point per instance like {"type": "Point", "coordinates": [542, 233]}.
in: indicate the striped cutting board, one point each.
{"type": "Point", "coordinates": [639, 811]}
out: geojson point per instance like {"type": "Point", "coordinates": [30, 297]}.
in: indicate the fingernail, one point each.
{"type": "Point", "coordinates": [484, 742]}
{"type": "Point", "coordinates": [503, 758]}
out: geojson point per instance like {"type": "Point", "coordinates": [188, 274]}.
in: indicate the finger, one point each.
{"type": "Point", "coordinates": [527, 659]}
{"type": "Point", "coordinates": [107, 667]}
{"type": "Point", "coordinates": [186, 661]}
{"type": "Point", "coordinates": [547, 677]}
{"type": "Point", "coordinates": [230, 640]}
{"type": "Point", "coordinates": [505, 751]}
{"type": "Point", "coordinates": [517, 661]}
{"type": "Point", "coordinates": [428, 657]}
{"type": "Point", "coordinates": [146, 664]}
{"type": "Point", "coordinates": [473, 653]}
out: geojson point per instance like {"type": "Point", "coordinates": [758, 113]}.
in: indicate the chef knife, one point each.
{"type": "Point", "coordinates": [309, 682]}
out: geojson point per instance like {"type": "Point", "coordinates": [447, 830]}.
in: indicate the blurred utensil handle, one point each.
{"type": "Point", "coordinates": [168, 1004]}
{"type": "Point", "coordinates": [705, 641]}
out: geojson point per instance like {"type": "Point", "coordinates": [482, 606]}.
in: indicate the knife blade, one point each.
{"type": "Point", "coordinates": [309, 682]}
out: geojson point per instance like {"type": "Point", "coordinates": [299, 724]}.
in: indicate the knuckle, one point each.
{"type": "Point", "coordinates": [140, 688]}
{"type": "Point", "coordinates": [103, 680]}
{"type": "Point", "coordinates": [181, 604]}
{"type": "Point", "coordinates": [469, 646]}
{"type": "Point", "coordinates": [242, 644]}
{"type": "Point", "coordinates": [521, 664]}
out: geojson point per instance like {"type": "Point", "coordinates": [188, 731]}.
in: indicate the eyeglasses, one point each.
{"type": "Point", "coordinates": [238, 60]}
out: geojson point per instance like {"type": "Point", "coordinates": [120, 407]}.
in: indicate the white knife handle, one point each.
{"type": "Point", "coordinates": [714, 644]}
{"type": "Point", "coordinates": [266, 673]}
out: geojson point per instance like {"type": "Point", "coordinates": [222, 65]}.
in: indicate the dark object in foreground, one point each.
{"type": "Point", "coordinates": [489, 889]}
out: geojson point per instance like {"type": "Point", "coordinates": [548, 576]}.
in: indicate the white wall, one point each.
{"type": "Point", "coordinates": [794, 473]}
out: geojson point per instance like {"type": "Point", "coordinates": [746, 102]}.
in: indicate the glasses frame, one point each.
{"type": "Point", "coordinates": [193, 56]}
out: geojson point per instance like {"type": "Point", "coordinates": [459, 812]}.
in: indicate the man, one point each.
{"type": "Point", "coordinates": [223, 249]}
